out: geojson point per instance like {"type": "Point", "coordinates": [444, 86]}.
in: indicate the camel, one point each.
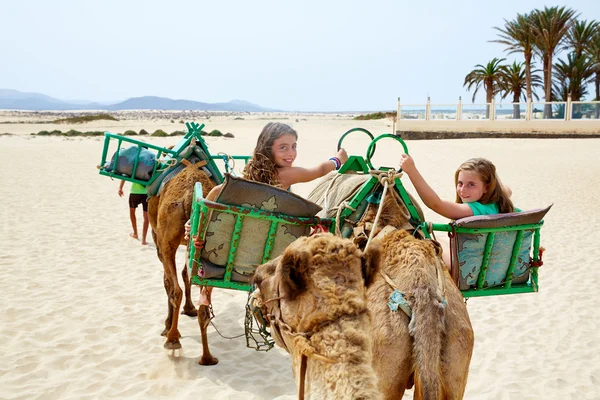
{"type": "Point", "coordinates": [315, 296]}
{"type": "Point", "coordinates": [431, 350]}
{"type": "Point", "coordinates": [168, 213]}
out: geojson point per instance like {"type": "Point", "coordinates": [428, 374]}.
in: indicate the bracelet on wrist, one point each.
{"type": "Point", "coordinates": [336, 162]}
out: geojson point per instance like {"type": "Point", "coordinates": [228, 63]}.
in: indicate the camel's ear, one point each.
{"type": "Point", "coordinates": [294, 266]}
{"type": "Point", "coordinates": [370, 261]}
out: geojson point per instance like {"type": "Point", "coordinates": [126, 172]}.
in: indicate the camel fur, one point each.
{"type": "Point", "coordinates": [433, 349]}
{"type": "Point", "coordinates": [315, 294]}
{"type": "Point", "coordinates": [168, 213]}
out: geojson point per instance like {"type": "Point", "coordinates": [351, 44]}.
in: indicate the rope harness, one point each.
{"type": "Point", "coordinates": [300, 339]}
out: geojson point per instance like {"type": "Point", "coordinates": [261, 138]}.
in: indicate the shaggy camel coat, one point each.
{"type": "Point", "coordinates": [316, 298]}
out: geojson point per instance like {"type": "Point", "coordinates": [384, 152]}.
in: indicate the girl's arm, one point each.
{"type": "Point", "coordinates": [292, 175]}
{"type": "Point", "coordinates": [120, 191]}
{"type": "Point", "coordinates": [431, 199]}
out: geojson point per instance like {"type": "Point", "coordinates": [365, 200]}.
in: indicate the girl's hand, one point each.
{"type": "Point", "coordinates": [342, 155]}
{"type": "Point", "coordinates": [199, 244]}
{"type": "Point", "coordinates": [188, 228]}
{"type": "Point", "coordinates": [407, 164]}
{"type": "Point", "coordinates": [120, 192]}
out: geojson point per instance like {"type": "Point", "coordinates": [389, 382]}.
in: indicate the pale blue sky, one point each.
{"type": "Point", "coordinates": [303, 55]}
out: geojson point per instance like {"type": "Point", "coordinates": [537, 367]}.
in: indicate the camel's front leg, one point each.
{"type": "Point", "coordinates": [204, 316]}
{"type": "Point", "coordinates": [188, 307]}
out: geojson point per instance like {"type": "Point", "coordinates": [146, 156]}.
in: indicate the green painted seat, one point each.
{"type": "Point", "coordinates": [495, 254]}
{"type": "Point", "coordinates": [248, 224]}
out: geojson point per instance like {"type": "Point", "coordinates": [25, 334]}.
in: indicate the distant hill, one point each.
{"type": "Point", "coordinates": [14, 100]}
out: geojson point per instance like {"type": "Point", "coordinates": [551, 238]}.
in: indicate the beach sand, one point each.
{"type": "Point", "coordinates": [83, 304]}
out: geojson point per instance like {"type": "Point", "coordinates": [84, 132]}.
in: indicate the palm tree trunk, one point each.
{"type": "Point", "coordinates": [548, 85]}
{"type": "Point", "coordinates": [488, 99]}
{"type": "Point", "coordinates": [528, 75]}
{"type": "Point", "coordinates": [516, 106]}
{"type": "Point", "coordinates": [597, 83]}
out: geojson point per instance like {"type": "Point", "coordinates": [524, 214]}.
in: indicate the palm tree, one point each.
{"type": "Point", "coordinates": [518, 36]}
{"type": "Point", "coordinates": [572, 77]}
{"type": "Point", "coordinates": [575, 73]}
{"type": "Point", "coordinates": [488, 77]}
{"type": "Point", "coordinates": [550, 27]}
{"type": "Point", "coordinates": [592, 48]}
{"type": "Point", "coordinates": [513, 80]}
{"type": "Point", "coordinates": [580, 34]}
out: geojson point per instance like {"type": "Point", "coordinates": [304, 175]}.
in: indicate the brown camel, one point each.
{"type": "Point", "coordinates": [168, 214]}
{"type": "Point", "coordinates": [433, 352]}
{"type": "Point", "coordinates": [315, 296]}
{"type": "Point", "coordinates": [433, 348]}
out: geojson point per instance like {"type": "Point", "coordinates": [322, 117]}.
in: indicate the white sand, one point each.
{"type": "Point", "coordinates": [83, 305]}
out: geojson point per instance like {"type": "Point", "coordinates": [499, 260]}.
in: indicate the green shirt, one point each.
{"type": "Point", "coordinates": [484, 209]}
{"type": "Point", "coordinates": [136, 188]}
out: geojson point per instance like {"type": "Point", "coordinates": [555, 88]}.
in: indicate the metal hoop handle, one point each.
{"type": "Point", "coordinates": [371, 148]}
{"type": "Point", "coordinates": [339, 146]}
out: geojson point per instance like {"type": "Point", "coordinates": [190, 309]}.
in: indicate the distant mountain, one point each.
{"type": "Point", "coordinates": [14, 100]}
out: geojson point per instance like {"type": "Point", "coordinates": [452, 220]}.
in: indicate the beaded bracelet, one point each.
{"type": "Point", "coordinates": [337, 162]}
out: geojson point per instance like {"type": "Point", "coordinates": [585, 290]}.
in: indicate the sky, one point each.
{"type": "Point", "coordinates": [290, 55]}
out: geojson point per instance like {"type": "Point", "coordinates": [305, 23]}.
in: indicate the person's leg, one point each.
{"type": "Point", "coordinates": [133, 223]}
{"type": "Point", "coordinates": [205, 293]}
{"type": "Point", "coordinates": [132, 206]}
{"type": "Point", "coordinates": [145, 228]}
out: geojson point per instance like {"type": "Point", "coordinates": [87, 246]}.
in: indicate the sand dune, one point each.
{"type": "Point", "coordinates": [83, 305]}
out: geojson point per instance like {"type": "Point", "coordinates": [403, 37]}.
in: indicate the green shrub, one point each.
{"type": "Point", "coordinates": [238, 119]}
{"type": "Point", "coordinates": [93, 133]}
{"type": "Point", "coordinates": [203, 133]}
{"type": "Point", "coordinates": [85, 118]}
{"type": "Point", "coordinates": [56, 132]}
{"type": "Point", "coordinates": [228, 135]}
{"type": "Point", "coordinates": [177, 133]}
{"type": "Point", "coordinates": [377, 115]}
{"type": "Point", "coordinates": [160, 133]}
{"type": "Point", "coordinates": [215, 132]}
{"type": "Point", "coordinates": [72, 132]}
{"type": "Point", "coordinates": [172, 121]}
{"type": "Point", "coordinates": [129, 132]}
{"type": "Point", "coordinates": [43, 133]}
{"type": "Point", "coordinates": [143, 132]}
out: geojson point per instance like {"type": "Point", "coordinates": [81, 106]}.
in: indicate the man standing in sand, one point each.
{"type": "Point", "coordinates": [137, 195]}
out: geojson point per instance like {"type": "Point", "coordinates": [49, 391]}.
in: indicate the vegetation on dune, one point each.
{"type": "Point", "coordinates": [376, 115]}
{"type": "Point", "coordinates": [85, 118]}
{"type": "Point", "coordinates": [159, 133]}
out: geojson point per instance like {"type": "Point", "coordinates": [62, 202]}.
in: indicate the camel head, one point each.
{"type": "Point", "coordinates": [314, 295]}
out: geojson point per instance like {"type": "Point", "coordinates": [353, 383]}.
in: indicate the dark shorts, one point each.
{"type": "Point", "coordinates": [137, 199]}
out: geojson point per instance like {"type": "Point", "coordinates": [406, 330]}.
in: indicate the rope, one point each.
{"type": "Point", "coordinates": [226, 158]}
{"type": "Point", "coordinates": [168, 164]}
{"type": "Point", "coordinates": [338, 214]}
{"type": "Point", "coordinates": [384, 177]}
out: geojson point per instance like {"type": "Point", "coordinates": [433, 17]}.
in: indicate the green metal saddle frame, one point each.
{"type": "Point", "coordinates": [360, 165]}
{"type": "Point", "coordinates": [170, 157]}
